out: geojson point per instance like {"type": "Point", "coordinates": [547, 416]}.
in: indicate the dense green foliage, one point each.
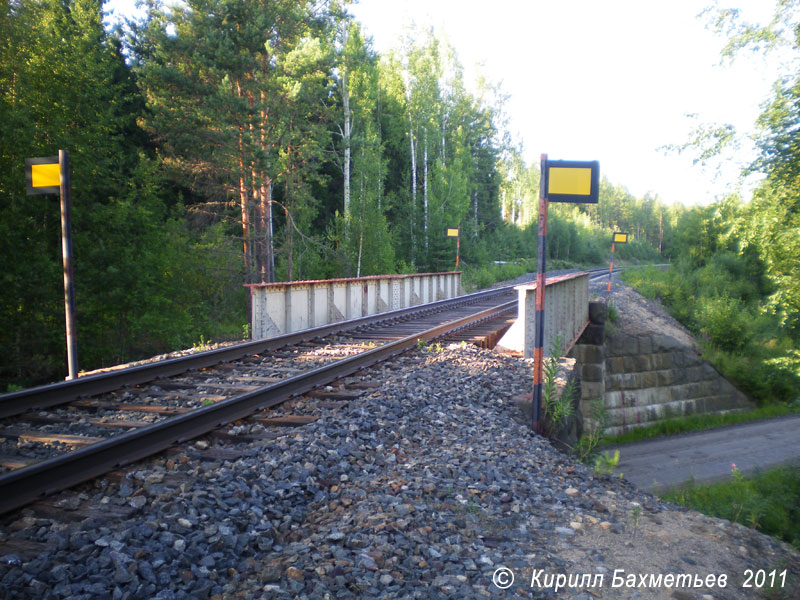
{"type": "Point", "coordinates": [769, 501]}
{"type": "Point", "coordinates": [220, 142]}
{"type": "Point", "coordinates": [141, 273]}
{"type": "Point", "coordinates": [721, 304]}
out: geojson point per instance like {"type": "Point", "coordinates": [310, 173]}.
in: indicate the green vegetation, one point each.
{"type": "Point", "coordinates": [217, 143]}
{"type": "Point", "coordinates": [724, 299]}
{"type": "Point", "coordinates": [735, 280]}
{"type": "Point", "coordinates": [586, 450]}
{"type": "Point", "coordinates": [558, 407]}
{"type": "Point", "coordinates": [605, 463]}
{"type": "Point", "coordinates": [593, 426]}
{"type": "Point", "coordinates": [483, 276]}
{"type": "Point", "coordinates": [768, 501]}
{"type": "Point", "coordinates": [636, 513]}
{"type": "Point", "coordinates": [613, 313]}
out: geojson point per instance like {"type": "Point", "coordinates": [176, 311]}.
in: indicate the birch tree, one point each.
{"type": "Point", "coordinates": [363, 165]}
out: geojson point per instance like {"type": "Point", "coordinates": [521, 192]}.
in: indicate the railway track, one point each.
{"type": "Point", "coordinates": [56, 436]}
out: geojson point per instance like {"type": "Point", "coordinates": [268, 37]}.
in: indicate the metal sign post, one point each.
{"type": "Point", "coordinates": [456, 233]}
{"type": "Point", "coordinates": [50, 175]}
{"type": "Point", "coordinates": [618, 238]}
{"type": "Point", "coordinates": [560, 181]}
{"type": "Point", "coordinates": [538, 341]}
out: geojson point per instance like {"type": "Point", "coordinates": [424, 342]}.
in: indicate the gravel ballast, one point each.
{"type": "Point", "coordinates": [426, 488]}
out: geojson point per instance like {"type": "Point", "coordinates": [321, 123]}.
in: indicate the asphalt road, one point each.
{"type": "Point", "coordinates": [707, 456]}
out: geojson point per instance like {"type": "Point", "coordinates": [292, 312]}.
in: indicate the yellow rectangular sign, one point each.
{"type": "Point", "coordinates": [620, 238]}
{"type": "Point", "coordinates": [43, 175]}
{"type": "Point", "coordinates": [452, 233]}
{"type": "Point", "coordinates": [572, 181]}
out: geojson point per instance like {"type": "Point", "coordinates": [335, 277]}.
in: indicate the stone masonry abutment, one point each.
{"type": "Point", "coordinates": [645, 378]}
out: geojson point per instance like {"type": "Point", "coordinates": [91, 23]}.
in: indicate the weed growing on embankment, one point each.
{"type": "Point", "coordinates": [699, 423]}
{"type": "Point", "coordinates": [768, 501]}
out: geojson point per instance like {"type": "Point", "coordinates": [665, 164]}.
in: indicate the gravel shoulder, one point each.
{"type": "Point", "coordinates": [425, 489]}
{"type": "Point", "coordinates": [639, 315]}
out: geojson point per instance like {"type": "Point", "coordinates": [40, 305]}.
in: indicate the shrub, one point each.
{"type": "Point", "coordinates": [743, 340]}
{"type": "Point", "coordinates": [724, 321]}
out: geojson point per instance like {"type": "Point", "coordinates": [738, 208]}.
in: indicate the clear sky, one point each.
{"type": "Point", "coordinates": [610, 80]}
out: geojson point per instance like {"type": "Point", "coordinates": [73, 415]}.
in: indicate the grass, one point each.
{"type": "Point", "coordinates": [699, 423]}
{"type": "Point", "coordinates": [768, 501]}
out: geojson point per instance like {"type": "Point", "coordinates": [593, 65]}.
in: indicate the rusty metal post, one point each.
{"type": "Point", "coordinates": [66, 251]}
{"type": "Point", "coordinates": [538, 350]}
{"type": "Point", "coordinates": [611, 266]}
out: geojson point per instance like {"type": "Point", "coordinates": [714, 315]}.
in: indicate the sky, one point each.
{"type": "Point", "coordinates": [612, 80]}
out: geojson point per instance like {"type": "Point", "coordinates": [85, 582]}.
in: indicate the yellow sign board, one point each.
{"type": "Point", "coordinates": [43, 175]}
{"type": "Point", "coordinates": [620, 238]}
{"type": "Point", "coordinates": [572, 181]}
{"type": "Point", "coordinates": [452, 232]}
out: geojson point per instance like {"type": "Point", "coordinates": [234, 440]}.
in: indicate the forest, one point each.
{"type": "Point", "coordinates": [216, 143]}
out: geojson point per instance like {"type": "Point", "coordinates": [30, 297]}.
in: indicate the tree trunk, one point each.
{"type": "Point", "coordinates": [475, 214]}
{"type": "Point", "coordinates": [361, 222]}
{"type": "Point", "coordinates": [413, 188]}
{"type": "Point", "coordinates": [444, 131]}
{"type": "Point", "coordinates": [258, 223]}
{"type": "Point", "coordinates": [265, 195]}
{"type": "Point", "coordinates": [258, 242]}
{"type": "Point", "coordinates": [246, 250]}
{"type": "Point", "coordinates": [245, 222]}
{"type": "Point", "coordinates": [287, 200]}
{"type": "Point", "coordinates": [289, 244]}
{"type": "Point", "coordinates": [425, 187]}
{"type": "Point", "coordinates": [347, 135]}
{"type": "Point", "coordinates": [266, 203]}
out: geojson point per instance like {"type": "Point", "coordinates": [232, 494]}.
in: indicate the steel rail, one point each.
{"type": "Point", "coordinates": [63, 392]}
{"type": "Point", "coordinates": [30, 483]}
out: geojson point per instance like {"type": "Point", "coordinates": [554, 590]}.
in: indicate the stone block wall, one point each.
{"type": "Point", "coordinates": [652, 377]}
{"type": "Point", "coordinates": [646, 378]}
{"type": "Point", "coordinates": [590, 364]}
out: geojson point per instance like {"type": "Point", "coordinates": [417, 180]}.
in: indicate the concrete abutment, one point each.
{"type": "Point", "coordinates": [645, 378]}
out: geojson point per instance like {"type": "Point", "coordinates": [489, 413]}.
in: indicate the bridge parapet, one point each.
{"type": "Point", "coordinates": [566, 314]}
{"type": "Point", "coordinates": [286, 307]}
{"type": "Point", "coordinates": [566, 311]}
